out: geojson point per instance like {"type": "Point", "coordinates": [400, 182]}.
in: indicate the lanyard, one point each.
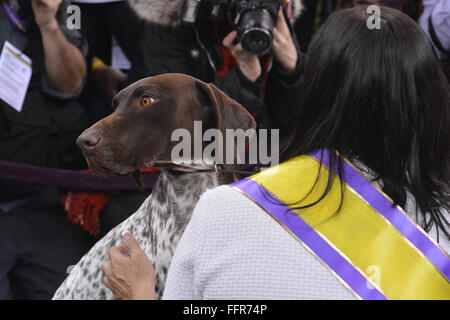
{"type": "Point", "coordinates": [13, 17]}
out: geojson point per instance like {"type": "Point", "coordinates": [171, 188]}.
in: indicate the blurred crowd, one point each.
{"type": "Point", "coordinates": [69, 75]}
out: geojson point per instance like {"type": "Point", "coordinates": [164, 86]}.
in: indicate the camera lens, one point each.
{"type": "Point", "coordinates": [256, 31]}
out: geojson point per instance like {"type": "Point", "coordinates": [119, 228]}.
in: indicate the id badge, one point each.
{"type": "Point", "coordinates": [15, 76]}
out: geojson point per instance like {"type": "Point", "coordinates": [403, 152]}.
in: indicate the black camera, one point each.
{"type": "Point", "coordinates": [254, 20]}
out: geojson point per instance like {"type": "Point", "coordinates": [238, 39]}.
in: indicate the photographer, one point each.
{"type": "Point", "coordinates": [42, 70]}
{"type": "Point", "coordinates": [158, 41]}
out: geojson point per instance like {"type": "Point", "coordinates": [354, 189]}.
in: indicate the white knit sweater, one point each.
{"type": "Point", "coordinates": [232, 249]}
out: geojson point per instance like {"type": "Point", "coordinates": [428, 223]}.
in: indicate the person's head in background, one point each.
{"type": "Point", "coordinates": [412, 8]}
{"type": "Point", "coordinates": [380, 96]}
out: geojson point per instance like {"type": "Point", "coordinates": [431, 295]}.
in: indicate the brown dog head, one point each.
{"type": "Point", "coordinates": [138, 133]}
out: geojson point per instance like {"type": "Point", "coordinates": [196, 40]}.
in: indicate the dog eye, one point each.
{"type": "Point", "coordinates": [146, 101]}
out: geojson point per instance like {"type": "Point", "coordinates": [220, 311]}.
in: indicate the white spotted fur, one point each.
{"type": "Point", "coordinates": [157, 225]}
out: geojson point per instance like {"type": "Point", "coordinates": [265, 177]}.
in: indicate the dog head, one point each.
{"type": "Point", "coordinates": [138, 133]}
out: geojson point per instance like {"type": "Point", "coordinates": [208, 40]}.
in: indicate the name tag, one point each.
{"type": "Point", "coordinates": [15, 75]}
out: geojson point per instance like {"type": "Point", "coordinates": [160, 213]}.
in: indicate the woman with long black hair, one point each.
{"type": "Point", "coordinates": [367, 168]}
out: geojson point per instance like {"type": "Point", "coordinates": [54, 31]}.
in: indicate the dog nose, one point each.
{"type": "Point", "coordinates": [88, 139]}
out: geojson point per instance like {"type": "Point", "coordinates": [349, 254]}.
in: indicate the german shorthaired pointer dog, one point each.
{"type": "Point", "coordinates": [138, 135]}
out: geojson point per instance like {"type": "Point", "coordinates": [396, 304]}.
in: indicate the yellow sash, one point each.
{"type": "Point", "coordinates": [358, 232]}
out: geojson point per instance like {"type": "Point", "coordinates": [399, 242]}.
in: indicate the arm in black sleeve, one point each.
{"type": "Point", "coordinates": [246, 92]}
{"type": "Point", "coordinates": [125, 26]}
{"type": "Point", "coordinates": [283, 97]}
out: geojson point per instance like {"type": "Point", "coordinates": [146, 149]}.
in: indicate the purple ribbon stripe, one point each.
{"type": "Point", "coordinates": [348, 273]}
{"type": "Point", "coordinates": [345, 270]}
{"type": "Point", "coordinates": [393, 214]}
{"type": "Point", "coordinates": [13, 17]}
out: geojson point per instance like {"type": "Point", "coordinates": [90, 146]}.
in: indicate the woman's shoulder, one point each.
{"type": "Point", "coordinates": [223, 193]}
{"type": "Point", "coordinates": [224, 201]}
{"type": "Point", "coordinates": [235, 237]}
{"type": "Point", "coordinates": [226, 217]}
{"type": "Point", "coordinates": [224, 212]}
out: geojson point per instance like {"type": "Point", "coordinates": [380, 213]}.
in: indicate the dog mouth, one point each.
{"type": "Point", "coordinates": [98, 169]}
{"type": "Point", "coordinates": [137, 176]}
{"type": "Point", "coordinates": [103, 170]}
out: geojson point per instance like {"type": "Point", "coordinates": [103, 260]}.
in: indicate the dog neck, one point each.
{"type": "Point", "coordinates": [192, 170]}
{"type": "Point", "coordinates": [185, 173]}
{"type": "Point", "coordinates": [188, 168]}
{"type": "Point", "coordinates": [176, 193]}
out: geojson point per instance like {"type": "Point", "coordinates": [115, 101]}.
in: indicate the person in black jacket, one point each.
{"type": "Point", "coordinates": [36, 240]}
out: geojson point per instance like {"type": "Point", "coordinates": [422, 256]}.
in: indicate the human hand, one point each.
{"type": "Point", "coordinates": [283, 45]}
{"type": "Point", "coordinates": [129, 274]}
{"type": "Point", "coordinates": [108, 79]}
{"type": "Point", "coordinates": [45, 12]}
{"type": "Point", "coordinates": [249, 64]}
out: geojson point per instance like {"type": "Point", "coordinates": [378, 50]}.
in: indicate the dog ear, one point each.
{"type": "Point", "coordinates": [229, 114]}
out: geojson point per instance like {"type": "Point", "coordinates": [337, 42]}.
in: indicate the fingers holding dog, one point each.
{"type": "Point", "coordinates": [129, 274]}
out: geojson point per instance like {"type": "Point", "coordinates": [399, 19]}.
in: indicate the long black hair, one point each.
{"type": "Point", "coordinates": [380, 96]}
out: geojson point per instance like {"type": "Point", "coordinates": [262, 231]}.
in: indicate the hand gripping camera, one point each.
{"type": "Point", "coordinates": [254, 20]}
